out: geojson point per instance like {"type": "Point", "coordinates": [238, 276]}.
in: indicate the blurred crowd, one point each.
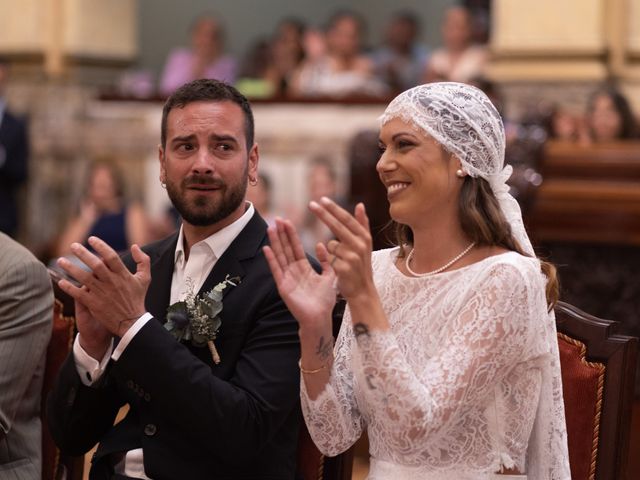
{"type": "Point", "coordinates": [331, 60]}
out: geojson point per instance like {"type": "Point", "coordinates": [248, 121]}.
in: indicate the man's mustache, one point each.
{"type": "Point", "coordinates": [203, 180]}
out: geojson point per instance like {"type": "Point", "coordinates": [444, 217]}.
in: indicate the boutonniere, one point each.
{"type": "Point", "coordinates": [196, 318]}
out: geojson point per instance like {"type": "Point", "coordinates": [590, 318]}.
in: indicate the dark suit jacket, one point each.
{"type": "Point", "coordinates": [193, 419]}
{"type": "Point", "coordinates": [14, 151]}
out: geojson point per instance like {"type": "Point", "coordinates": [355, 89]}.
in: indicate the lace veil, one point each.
{"type": "Point", "coordinates": [462, 119]}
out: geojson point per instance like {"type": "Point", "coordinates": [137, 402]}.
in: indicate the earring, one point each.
{"type": "Point", "coordinates": [253, 181]}
{"type": "Point", "coordinates": [460, 173]}
{"type": "Point", "coordinates": [163, 185]}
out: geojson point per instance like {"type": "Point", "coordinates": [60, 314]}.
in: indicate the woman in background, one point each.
{"type": "Point", "coordinates": [609, 117]}
{"type": "Point", "coordinates": [105, 213]}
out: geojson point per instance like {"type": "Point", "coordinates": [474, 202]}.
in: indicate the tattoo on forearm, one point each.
{"type": "Point", "coordinates": [324, 348]}
{"type": "Point", "coordinates": [361, 329]}
{"type": "Point", "coordinates": [369, 378]}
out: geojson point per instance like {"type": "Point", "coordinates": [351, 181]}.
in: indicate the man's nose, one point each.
{"type": "Point", "coordinates": [204, 162]}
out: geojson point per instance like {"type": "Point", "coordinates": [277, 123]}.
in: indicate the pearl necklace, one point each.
{"type": "Point", "coordinates": [437, 270]}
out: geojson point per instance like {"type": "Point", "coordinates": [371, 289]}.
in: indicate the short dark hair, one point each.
{"type": "Point", "coordinates": [208, 90]}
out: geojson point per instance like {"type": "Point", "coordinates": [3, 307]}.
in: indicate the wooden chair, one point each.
{"type": "Point", "coordinates": [313, 465]}
{"type": "Point", "coordinates": [598, 369]}
{"type": "Point", "coordinates": [54, 465]}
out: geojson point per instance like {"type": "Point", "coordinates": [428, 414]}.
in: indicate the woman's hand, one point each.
{"type": "Point", "coordinates": [310, 296]}
{"type": "Point", "coordinates": [351, 251]}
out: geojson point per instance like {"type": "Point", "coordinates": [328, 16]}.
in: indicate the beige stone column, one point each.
{"type": "Point", "coordinates": [560, 50]}
{"type": "Point", "coordinates": [550, 51]}
{"type": "Point", "coordinates": [56, 34]}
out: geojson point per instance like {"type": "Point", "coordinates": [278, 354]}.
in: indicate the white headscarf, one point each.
{"type": "Point", "coordinates": [464, 121]}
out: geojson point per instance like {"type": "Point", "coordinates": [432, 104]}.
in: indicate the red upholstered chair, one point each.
{"type": "Point", "coordinates": [598, 369]}
{"type": "Point", "coordinates": [313, 465]}
{"type": "Point", "coordinates": [55, 466]}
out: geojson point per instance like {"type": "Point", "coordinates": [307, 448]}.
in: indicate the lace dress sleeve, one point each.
{"type": "Point", "coordinates": [422, 414]}
{"type": "Point", "coordinates": [333, 418]}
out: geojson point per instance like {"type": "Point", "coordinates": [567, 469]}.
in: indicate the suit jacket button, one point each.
{"type": "Point", "coordinates": [150, 429]}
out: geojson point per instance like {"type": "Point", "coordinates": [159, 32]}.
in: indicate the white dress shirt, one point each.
{"type": "Point", "coordinates": [188, 277]}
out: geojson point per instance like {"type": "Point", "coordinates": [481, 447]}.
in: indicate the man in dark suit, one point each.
{"type": "Point", "coordinates": [14, 153]}
{"type": "Point", "coordinates": [189, 417]}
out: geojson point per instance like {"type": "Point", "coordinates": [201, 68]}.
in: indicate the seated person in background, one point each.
{"type": "Point", "coordinates": [205, 58]}
{"type": "Point", "coordinates": [14, 156]}
{"type": "Point", "coordinates": [286, 54]}
{"type": "Point", "coordinates": [26, 312]}
{"type": "Point", "coordinates": [459, 59]}
{"type": "Point", "coordinates": [609, 117]}
{"type": "Point", "coordinates": [342, 69]}
{"type": "Point", "coordinates": [401, 61]}
{"type": "Point", "coordinates": [322, 181]}
{"type": "Point", "coordinates": [560, 124]}
{"type": "Point", "coordinates": [259, 193]}
{"type": "Point", "coordinates": [105, 213]}
{"type": "Point", "coordinates": [270, 63]}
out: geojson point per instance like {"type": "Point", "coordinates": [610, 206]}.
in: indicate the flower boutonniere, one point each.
{"type": "Point", "coordinates": [196, 317]}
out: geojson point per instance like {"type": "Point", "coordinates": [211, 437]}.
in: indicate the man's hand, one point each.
{"type": "Point", "coordinates": [111, 294]}
{"type": "Point", "coordinates": [94, 337]}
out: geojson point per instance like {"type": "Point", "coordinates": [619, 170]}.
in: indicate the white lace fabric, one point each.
{"type": "Point", "coordinates": [466, 381]}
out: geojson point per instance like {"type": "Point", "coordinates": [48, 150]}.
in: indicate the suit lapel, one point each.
{"type": "Point", "coordinates": [162, 263]}
{"type": "Point", "coordinates": [245, 245]}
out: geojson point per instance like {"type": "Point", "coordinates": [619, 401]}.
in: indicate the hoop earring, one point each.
{"type": "Point", "coordinates": [460, 173]}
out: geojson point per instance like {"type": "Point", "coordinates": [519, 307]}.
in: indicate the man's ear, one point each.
{"type": "Point", "coordinates": [254, 156]}
{"type": "Point", "coordinates": [161, 159]}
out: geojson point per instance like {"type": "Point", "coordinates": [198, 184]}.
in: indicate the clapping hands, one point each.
{"type": "Point", "coordinates": [345, 262]}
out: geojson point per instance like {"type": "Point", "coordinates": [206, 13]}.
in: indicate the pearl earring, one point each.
{"type": "Point", "coordinates": [460, 173]}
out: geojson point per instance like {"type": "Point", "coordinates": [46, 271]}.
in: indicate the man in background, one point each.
{"type": "Point", "coordinates": [14, 152]}
{"type": "Point", "coordinates": [26, 313]}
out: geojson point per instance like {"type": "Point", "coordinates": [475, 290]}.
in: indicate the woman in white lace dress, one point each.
{"type": "Point", "coordinates": [447, 354]}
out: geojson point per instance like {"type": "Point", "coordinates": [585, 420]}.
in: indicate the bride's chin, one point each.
{"type": "Point", "coordinates": [398, 215]}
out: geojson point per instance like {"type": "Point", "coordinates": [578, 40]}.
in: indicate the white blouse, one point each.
{"type": "Point", "coordinates": [466, 382]}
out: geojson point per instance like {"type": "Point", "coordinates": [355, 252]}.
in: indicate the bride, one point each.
{"type": "Point", "coordinates": [447, 354]}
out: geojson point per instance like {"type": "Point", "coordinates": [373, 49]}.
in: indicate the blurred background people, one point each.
{"type": "Point", "coordinates": [105, 212]}
{"type": "Point", "coordinates": [459, 59]}
{"type": "Point", "coordinates": [561, 125]}
{"type": "Point", "coordinates": [14, 154]}
{"type": "Point", "coordinates": [322, 181]}
{"type": "Point", "coordinates": [343, 69]}
{"type": "Point", "coordinates": [286, 53]}
{"type": "Point", "coordinates": [609, 117]}
{"type": "Point", "coordinates": [260, 195]}
{"type": "Point", "coordinates": [401, 60]}
{"type": "Point", "coordinates": [26, 313]}
{"type": "Point", "coordinates": [205, 58]}
{"type": "Point", "coordinates": [270, 63]}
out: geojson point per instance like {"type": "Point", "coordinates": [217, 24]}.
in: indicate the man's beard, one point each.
{"type": "Point", "coordinates": [202, 211]}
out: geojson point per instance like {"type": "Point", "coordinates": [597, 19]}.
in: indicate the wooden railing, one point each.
{"type": "Point", "coordinates": [590, 194]}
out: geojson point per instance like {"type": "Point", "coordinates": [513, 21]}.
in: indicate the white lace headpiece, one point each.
{"type": "Point", "coordinates": [462, 119]}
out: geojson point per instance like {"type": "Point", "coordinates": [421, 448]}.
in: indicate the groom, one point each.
{"type": "Point", "coordinates": [189, 417]}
